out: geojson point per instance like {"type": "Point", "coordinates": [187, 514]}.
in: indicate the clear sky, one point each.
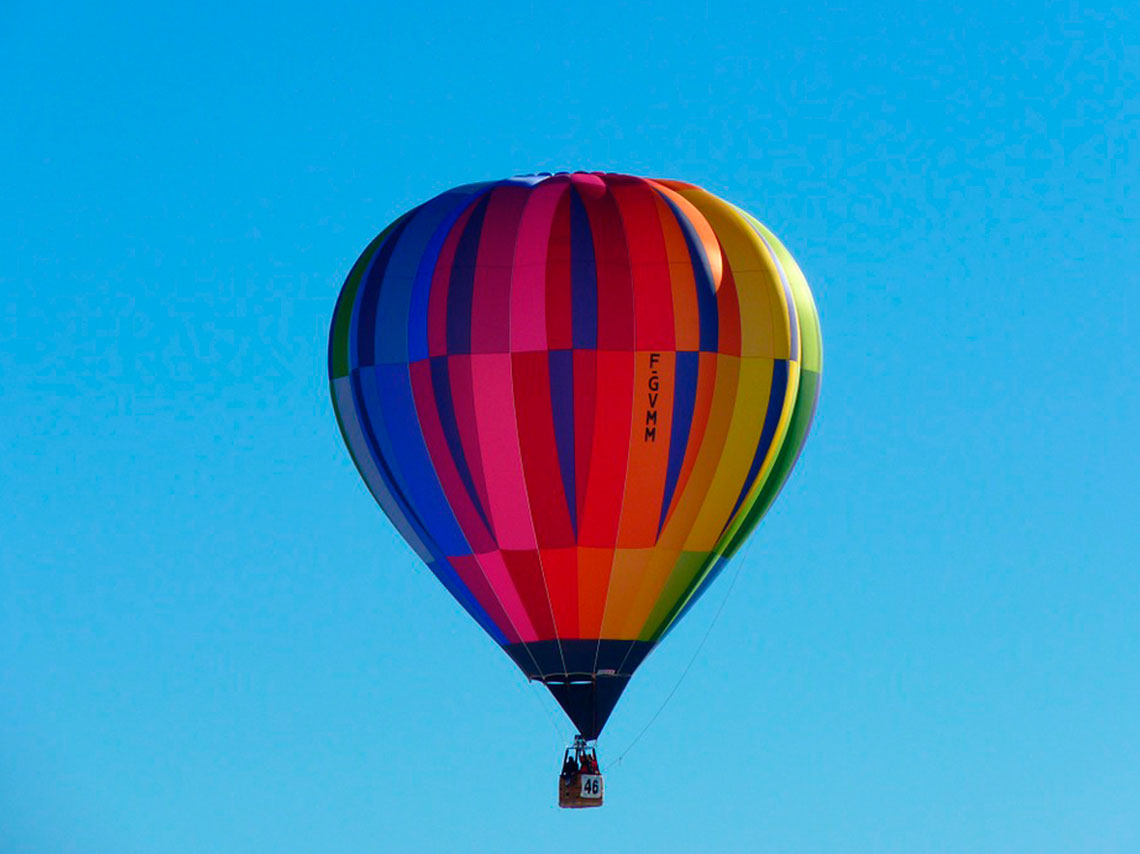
{"type": "Point", "coordinates": [212, 641]}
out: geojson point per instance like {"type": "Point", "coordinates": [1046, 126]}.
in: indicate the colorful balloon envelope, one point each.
{"type": "Point", "coordinates": [575, 395]}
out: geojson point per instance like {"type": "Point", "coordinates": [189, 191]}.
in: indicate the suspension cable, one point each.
{"type": "Point", "coordinates": [689, 666]}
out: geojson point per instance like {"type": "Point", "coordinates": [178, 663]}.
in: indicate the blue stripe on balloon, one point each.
{"type": "Point", "coordinates": [408, 458]}
{"type": "Point", "coordinates": [707, 313]}
{"type": "Point", "coordinates": [684, 401]}
{"type": "Point", "coordinates": [352, 424]}
{"type": "Point", "coordinates": [392, 313]}
{"type": "Point", "coordinates": [445, 406]}
{"type": "Point", "coordinates": [379, 450]}
{"type": "Point", "coordinates": [342, 312]}
{"type": "Point", "coordinates": [462, 283]}
{"type": "Point", "coordinates": [561, 366]}
{"type": "Point", "coordinates": [583, 277]}
{"type": "Point", "coordinates": [362, 343]}
{"type": "Point", "coordinates": [460, 201]}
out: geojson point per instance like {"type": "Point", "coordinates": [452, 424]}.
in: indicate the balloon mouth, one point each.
{"type": "Point", "coordinates": [587, 699]}
{"type": "Point", "coordinates": [575, 658]}
{"type": "Point", "coordinates": [568, 679]}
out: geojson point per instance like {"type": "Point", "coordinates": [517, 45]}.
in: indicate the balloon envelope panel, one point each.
{"type": "Point", "coordinates": [575, 395]}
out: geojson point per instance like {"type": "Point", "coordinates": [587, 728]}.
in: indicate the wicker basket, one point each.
{"type": "Point", "coordinates": [579, 791]}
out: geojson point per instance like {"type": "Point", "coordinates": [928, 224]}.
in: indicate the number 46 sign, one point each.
{"type": "Point", "coordinates": [592, 786]}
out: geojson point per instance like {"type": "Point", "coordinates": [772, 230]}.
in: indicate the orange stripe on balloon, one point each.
{"type": "Point", "coordinates": [701, 226]}
{"type": "Point", "coordinates": [593, 579]}
{"type": "Point", "coordinates": [649, 437]}
{"type": "Point", "coordinates": [637, 603]}
{"type": "Point", "coordinates": [629, 570]}
{"type": "Point", "coordinates": [682, 283]}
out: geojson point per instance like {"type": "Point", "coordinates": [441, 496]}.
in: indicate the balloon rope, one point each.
{"type": "Point", "coordinates": [688, 667]}
{"type": "Point", "coordinates": [559, 735]}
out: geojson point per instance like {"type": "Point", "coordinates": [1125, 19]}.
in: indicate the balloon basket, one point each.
{"type": "Point", "coordinates": [580, 784]}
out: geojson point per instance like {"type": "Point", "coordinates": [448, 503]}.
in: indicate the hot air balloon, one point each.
{"type": "Point", "coordinates": [575, 395]}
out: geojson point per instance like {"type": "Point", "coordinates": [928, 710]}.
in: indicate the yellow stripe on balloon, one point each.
{"type": "Point", "coordinates": [630, 620]}
{"type": "Point", "coordinates": [764, 316]}
{"type": "Point", "coordinates": [811, 338]}
{"type": "Point", "coordinates": [689, 565]}
{"type": "Point", "coordinates": [688, 575]}
{"type": "Point", "coordinates": [736, 454]}
{"type": "Point", "coordinates": [629, 572]}
{"type": "Point", "coordinates": [769, 459]}
{"type": "Point", "coordinates": [688, 505]}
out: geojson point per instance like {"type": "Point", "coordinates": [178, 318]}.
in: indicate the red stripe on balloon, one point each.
{"type": "Point", "coordinates": [548, 506]}
{"type": "Point", "coordinates": [526, 573]}
{"type": "Point", "coordinates": [649, 265]}
{"type": "Point", "coordinates": [601, 505]}
{"type": "Point", "coordinates": [560, 566]}
{"type": "Point", "coordinates": [615, 284]}
{"type": "Point", "coordinates": [559, 329]}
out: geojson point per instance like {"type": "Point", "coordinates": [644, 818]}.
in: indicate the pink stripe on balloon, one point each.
{"type": "Point", "coordinates": [528, 289]}
{"type": "Point", "coordinates": [499, 445]}
{"type": "Point", "coordinates": [590, 185]}
{"type": "Point", "coordinates": [501, 582]}
{"type": "Point", "coordinates": [470, 572]}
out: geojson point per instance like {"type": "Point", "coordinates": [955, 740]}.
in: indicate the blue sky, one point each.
{"type": "Point", "coordinates": [210, 639]}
